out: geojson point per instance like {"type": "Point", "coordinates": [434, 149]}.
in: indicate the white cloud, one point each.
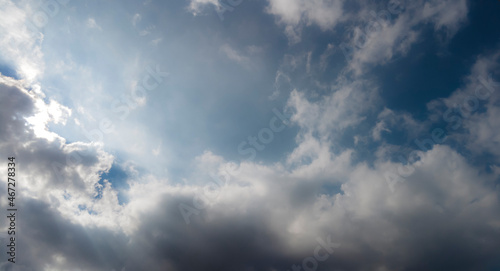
{"type": "Point", "coordinates": [281, 82]}
{"type": "Point", "coordinates": [380, 46]}
{"type": "Point", "coordinates": [448, 15]}
{"type": "Point", "coordinates": [196, 6]}
{"type": "Point", "coordinates": [238, 56]}
{"type": "Point", "coordinates": [474, 107]}
{"type": "Point", "coordinates": [345, 107]}
{"type": "Point", "coordinates": [146, 31]}
{"type": "Point", "coordinates": [325, 13]}
{"type": "Point", "coordinates": [20, 46]}
{"type": "Point", "coordinates": [388, 119]}
{"type": "Point", "coordinates": [92, 24]}
{"type": "Point", "coordinates": [155, 42]}
{"type": "Point", "coordinates": [296, 13]}
{"type": "Point", "coordinates": [330, 49]}
{"type": "Point", "coordinates": [136, 18]}
{"type": "Point", "coordinates": [381, 35]}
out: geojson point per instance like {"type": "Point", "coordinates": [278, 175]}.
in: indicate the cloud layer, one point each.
{"type": "Point", "coordinates": [360, 185]}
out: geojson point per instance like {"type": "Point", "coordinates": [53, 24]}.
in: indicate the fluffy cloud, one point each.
{"type": "Point", "coordinates": [296, 13]}
{"type": "Point", "coordinates": [20, 45]}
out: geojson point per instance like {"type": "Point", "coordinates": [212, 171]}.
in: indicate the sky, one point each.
{"type": "Point", "coordinates": [252, 135]}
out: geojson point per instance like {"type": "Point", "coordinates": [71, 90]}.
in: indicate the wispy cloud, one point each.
{"type": "Point", "coordinates": [91, 23]}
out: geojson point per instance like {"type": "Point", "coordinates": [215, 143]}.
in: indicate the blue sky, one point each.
{"type": "Point", "coordinates": [151, 131]}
